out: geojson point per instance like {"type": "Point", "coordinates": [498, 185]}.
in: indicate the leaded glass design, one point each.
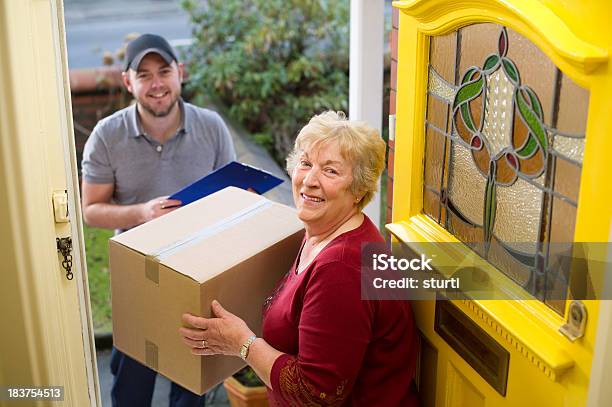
{"type": "Point", "coordinates": [505, 136]}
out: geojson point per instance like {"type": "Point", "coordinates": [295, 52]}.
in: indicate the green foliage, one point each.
{"type": "Point", "coordinates": [96, 247]}
{"type": "Point", "coordinates": [272, 63]}
{"type": "Point", "coordinates": [247, 377]}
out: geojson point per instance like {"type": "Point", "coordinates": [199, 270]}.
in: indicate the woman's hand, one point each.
{"type": "Point", "coordinates": [223, 335]}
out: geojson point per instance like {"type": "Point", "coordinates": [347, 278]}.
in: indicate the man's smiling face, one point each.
{"type": "Point", "coordinates": [156, 86]}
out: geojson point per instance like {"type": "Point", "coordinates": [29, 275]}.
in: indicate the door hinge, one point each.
{"type": "Point", "coordinates": [64, 246]}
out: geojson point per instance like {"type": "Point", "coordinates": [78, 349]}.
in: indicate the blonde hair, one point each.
{"type": "Point", "coordinates": [359, 143]}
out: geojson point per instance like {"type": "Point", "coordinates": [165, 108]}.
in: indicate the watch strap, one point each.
{"type": "Point", "coordinates": [244, 349]}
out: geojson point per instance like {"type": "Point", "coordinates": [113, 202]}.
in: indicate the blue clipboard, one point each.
{"type": "Point", "coordinates": [234, 174]}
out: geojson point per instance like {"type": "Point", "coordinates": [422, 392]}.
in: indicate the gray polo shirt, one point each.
{"type": "Point", "coordinates": [119, 152]}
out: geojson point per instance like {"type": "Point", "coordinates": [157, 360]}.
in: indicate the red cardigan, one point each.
{"type": "Point", "coordinates": [339, 350]}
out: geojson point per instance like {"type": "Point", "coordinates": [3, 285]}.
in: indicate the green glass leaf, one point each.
{"type": "Point", "coordinates": [468, 91]}
{"type": "Point", "coordinates": [468, 75]}
{"type": "Point", "coordinates": [535, 102]}
{"type": "Point", "coordinates": [467, 116]}
{"type": "Point", "coordinates": [491, 61]}
{"type": "Point", "coordinates": [528, 148]}
{"type": "Point", "coordinates": [490, 206]}
{"type": "Point", "coordinates": [510, 69]}
{"type": "Point", "coordinates": [532, 120]}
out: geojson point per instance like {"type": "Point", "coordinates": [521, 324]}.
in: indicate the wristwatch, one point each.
{"type": "Point", "coordinates": [244, 350]}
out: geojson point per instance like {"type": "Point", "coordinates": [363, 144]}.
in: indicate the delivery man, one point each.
{"type": "Point", "coordinates": [137, 157]}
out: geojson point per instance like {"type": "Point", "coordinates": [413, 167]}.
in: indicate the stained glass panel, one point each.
{"type": "Point", "coordinates": [431, 204]}
{"type": "Point", "coordinates": [519, 207]}
{"type": "Point", "coordinates": [569, 147]}
{"type": "Point", "coordinates": [475, 45]}
{"type": "Point", "coordinates": [439, 87]}
{"type": "Point", "coordinates": [573, 107]}
{"type": "Point", "coordinates": [463, 230]}
{"type": "Point", "coordinates": [434, 149]}
{"type": "Point", "coordinates": [567, 178]}
{"type": "Point", "coordinates": [562, 222]}
{"type": "Point", "coordinates": [437, 112]}
{"type": "Point", "coordinates": [442, 56]}
{"type": "Point", "coordinates": [500, 256]}
{"type": "Point", "coordinates": [498, 121]}
{"type": "Point", "coordinates": [535, 68]}
{"type": "Point", "coordinates": [466, 188]}
{"type": "Point", "coordinates": [514, 128]}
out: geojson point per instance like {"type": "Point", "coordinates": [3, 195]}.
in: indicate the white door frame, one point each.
{"type": "Point", "coordinates": [600, 391]}
{"type": "Point", "coordinates": [367, 29]}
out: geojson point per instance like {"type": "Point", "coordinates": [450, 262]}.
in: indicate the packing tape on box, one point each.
{"type": "Point", "coordinates": [152, 268]}
{"type": "Point", "coordinates": [151, 353]}
{"type": "Point", "coordinates": [152, 261]}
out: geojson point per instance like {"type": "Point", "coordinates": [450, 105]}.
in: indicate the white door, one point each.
{"type": "Point", "coordinates": [47, 336]}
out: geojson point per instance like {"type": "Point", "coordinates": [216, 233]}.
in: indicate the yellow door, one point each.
{"type": "Point", "coordinates": [47, 337]}
{"type": "Point", "coordinates": [502, 140]}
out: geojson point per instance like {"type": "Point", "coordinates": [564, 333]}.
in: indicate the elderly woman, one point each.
{"type": "Point", "coordinates": [322, 344]}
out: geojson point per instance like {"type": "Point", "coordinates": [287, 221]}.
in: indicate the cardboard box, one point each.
{"type": "Point", "coordinates": [233, 246]}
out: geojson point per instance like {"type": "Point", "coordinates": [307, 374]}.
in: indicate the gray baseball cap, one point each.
{"type": "Point", "coordinates": [145, 44]}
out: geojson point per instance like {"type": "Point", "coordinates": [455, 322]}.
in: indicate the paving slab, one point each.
{"type": "Point", "coordinates": [216, 398]}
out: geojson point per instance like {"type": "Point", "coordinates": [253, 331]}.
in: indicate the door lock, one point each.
{"type": "Point", "coordinates": [576, 321]}
{"type": "Point", "coordinates": [64, 246]}
{"type": "Point", "coordinates": [60, 206]}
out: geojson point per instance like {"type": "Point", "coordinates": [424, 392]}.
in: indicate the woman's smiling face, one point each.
{"type": "Point", "coordinates": [322, 186]}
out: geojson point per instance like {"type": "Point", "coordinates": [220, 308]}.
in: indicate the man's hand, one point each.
{"type": "Point", "coordinates": [99, 210]}
{"type": "Point", "coordinates": [157, 207]}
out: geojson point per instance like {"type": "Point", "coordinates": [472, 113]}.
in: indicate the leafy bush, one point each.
{"type": "Point", "coordinates": [272, 63]}
{"type": "Point", "coordinates": [247, 377]}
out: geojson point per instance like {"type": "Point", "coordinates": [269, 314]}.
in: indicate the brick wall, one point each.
{"type": "Point", "coordinates": [96, 93]}
{"type": "Point", "coordinates": [392, 96]}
